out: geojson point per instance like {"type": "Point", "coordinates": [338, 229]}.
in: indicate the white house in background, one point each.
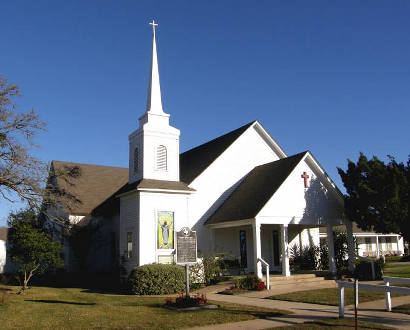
{"type": "Point", "coordinates": [242, 194]}
{"type": "Point", "coordinates": [3, 241]}
{"type": "Point", "coordinates": [370, 244]}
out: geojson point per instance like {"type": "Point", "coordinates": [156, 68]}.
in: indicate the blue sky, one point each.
{"type": "Point", "coordinates": [331, 77]}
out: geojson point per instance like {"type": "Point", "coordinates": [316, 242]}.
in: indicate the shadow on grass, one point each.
{"type": "Point", "coordinates": [60, 302]}
{"type": "Point", "coordinates": [256, 314]}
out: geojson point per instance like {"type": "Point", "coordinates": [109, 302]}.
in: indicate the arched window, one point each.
{"type": "Point", "coordinates": [136, 160]}
{"type": "Point", "coordinates": [161, 158]}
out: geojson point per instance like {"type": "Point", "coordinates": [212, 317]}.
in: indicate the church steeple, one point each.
{"type": "Point", "coordinates": [154, 101]}
{"type": "Point", "coordinates": [154, 146]}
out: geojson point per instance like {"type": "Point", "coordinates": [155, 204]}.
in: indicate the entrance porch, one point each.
{"type": "Point", "coordinates": [273, 243]}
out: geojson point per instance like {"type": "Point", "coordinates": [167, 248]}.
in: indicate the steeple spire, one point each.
{"type": "Point", "coordinates": [154, 102]}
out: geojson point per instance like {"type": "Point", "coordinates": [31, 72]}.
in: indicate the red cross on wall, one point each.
{"type": "Point", "coordinates": [305, 178]}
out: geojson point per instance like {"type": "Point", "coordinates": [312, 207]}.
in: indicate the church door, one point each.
{"type": "Point", "coordinates": [275, 252]}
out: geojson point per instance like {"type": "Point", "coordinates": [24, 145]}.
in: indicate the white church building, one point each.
{"type": "Point", "coordinates": [242, 194]}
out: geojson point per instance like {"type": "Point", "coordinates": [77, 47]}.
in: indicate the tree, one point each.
{"type": "Point", "coordinates": [30, 248]}
{"type": "Point", "coordinates": [23, 176]}
{"type": "Point", "coordinates": [378, 195]}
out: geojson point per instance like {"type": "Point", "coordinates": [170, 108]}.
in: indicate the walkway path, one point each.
{"type": "Point", "coordinates": [302, 312]}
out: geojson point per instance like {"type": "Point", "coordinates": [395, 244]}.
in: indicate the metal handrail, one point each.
{"type": "Point", "coordinates": [263, 262]}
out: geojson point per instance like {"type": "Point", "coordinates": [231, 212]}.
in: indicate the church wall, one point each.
{"type": "Point", "coordinates": [216, 183]}
{"type": "Point", "coordinates": [151, 204]}
{"type": "Point", "coordinates": [2, 255]}
{"type": "Point", "coordinates": [292, 203]}
{"type": "Point", "coordinates": [103, 252]}
{"type": "Point", "coordinates": [227, 243]}
{"type": "Point", "coordinates": [129, 222]}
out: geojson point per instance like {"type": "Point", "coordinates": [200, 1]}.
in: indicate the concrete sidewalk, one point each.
{"type": "Point", "coordinates": [302, 312]}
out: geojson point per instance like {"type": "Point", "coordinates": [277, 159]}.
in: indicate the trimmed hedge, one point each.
{"type": "Point", "coordinates": [363, 270]}
{"type": "Point", "coordinates": [156, 279]}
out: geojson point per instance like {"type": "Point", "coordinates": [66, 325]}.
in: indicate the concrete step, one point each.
{"type": "Point", "coordinates": [299, 281]}
{"type": "Point", "coordinates": [292, 277]}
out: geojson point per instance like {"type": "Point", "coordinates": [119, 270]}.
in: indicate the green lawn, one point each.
{"type": "Point", "coordinates": [72, 308]}
{"type": "Point", "coordinates": [328, 296]}
{"type": "Point", "coordinates": [397, 270]}
{"type": "Point", "coordinates": [405, 309]}
{"type": "Point", "coordinates": [332, 323]}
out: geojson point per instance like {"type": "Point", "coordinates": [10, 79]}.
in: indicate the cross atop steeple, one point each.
{"type": "Point", "coordinates": [154, 102]}
{"type": "Point", "coordinates": [153, 26]}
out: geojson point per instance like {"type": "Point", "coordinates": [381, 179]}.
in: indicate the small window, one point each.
{"type": "Point", "coordinates": [129, 244]}
{"type": "Point", "coordinates": [161, 158]}
{"type": "Point", "coordinates": [136, 160]}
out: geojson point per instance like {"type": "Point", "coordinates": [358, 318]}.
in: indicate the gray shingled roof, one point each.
{"type": "Point", "coordinates": [98, 185]}
{"type": "Point", "coordinates": [3, 233]}
{"type": "Point", "coordinates": [255, 190]}
{"type": "Point", "coordinates": [194, 161]}
{"type": "Point", "coordinates": [95, 184]}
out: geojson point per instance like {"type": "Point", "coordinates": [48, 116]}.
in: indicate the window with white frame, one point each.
{"type": "Point", "coordinates": [129, 245]}
{"type": "Point", "coordinates": [161, 161]}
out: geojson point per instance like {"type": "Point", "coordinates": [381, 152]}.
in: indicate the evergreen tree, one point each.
{"type": "Point", "coordinates": [378, 195]}
{"type": "Point", "coordinates": [30, 248]}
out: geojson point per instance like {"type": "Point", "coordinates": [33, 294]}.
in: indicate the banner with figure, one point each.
{"type": "Point", "coordinates": [165, 230]}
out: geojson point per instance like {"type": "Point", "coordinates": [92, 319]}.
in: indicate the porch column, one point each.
{"type": "Point", "coordinates": [257, 251]}
{"type": "Point", "coordinates": [285, 250]}
{"type": "Point", "coordinates": [377, 247]}
{"type": "Point", "coordinates": [212, 239]}
{"type": "Point", "coordinates": [351, 246]}
{"type": "Point", "coordinates": [331, 247]}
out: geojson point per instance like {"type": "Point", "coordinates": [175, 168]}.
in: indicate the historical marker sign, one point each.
{"type": "Point", "coordinates": [186, 246]}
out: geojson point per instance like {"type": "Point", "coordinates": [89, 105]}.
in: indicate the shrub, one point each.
{"type": "Point", "coordinates": [156, 279]}
{"type": "Point", "coordinates": [183, 301]}
{"type": "Point", "coordinates": [363, 269]}
{"type": "Point", "coordinates": [196, 275]}
{"type": "Point", "coordinates": [250, 282]}
{"type": "Point", "coordinates": [323, 257]}
{"type": "Point", "coordinates": [213, 269]}
{"type": "Point", "coordinates": [260, 286]}
{"type": "Point", "coordinates": [305, 258]}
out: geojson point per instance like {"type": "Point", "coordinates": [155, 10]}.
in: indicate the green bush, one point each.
{"type": "Point", "coordinates": [393, 259]}
{"type": "Point", "coordinates": [156, 279]}
{"type": "Point", "coordinates": [249, 282]}
{"type": "Point", "coordinates": [397, 259]}
{"type": "Point", "coordinates": [363, 269]}
{"type": "Point", "coordinates": [305, 258]}
{"type": "Point", "coordinates": [213, 269]}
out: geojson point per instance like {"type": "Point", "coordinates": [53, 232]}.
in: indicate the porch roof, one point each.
{"type": "Point", "coordinates": [255, 190]}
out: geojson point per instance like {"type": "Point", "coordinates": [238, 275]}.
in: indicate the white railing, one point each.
{"type": "Point", "coordinates": [263, 262]}
{"type": "Point", "coordinates": [373, 287]}
{"type": "Point", "coordinates": [387, 281]}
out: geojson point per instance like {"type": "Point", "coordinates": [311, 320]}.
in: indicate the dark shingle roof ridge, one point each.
{"type": "Point", "coordinates": [257, 184]}
{"type": "Point", "coordinates": [84, 164]}
{"type": "Point", "coordinates": [300, 154]}
{"type": "Point", "coordinates": [194, 161]}
{"type": "Point", "coordinates": [237, 130]}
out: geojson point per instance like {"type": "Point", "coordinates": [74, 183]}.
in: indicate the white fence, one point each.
{"type": "Point", "coordinates": [387, 289]}
{"type": "Point", "coordinates": [398, 280]}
